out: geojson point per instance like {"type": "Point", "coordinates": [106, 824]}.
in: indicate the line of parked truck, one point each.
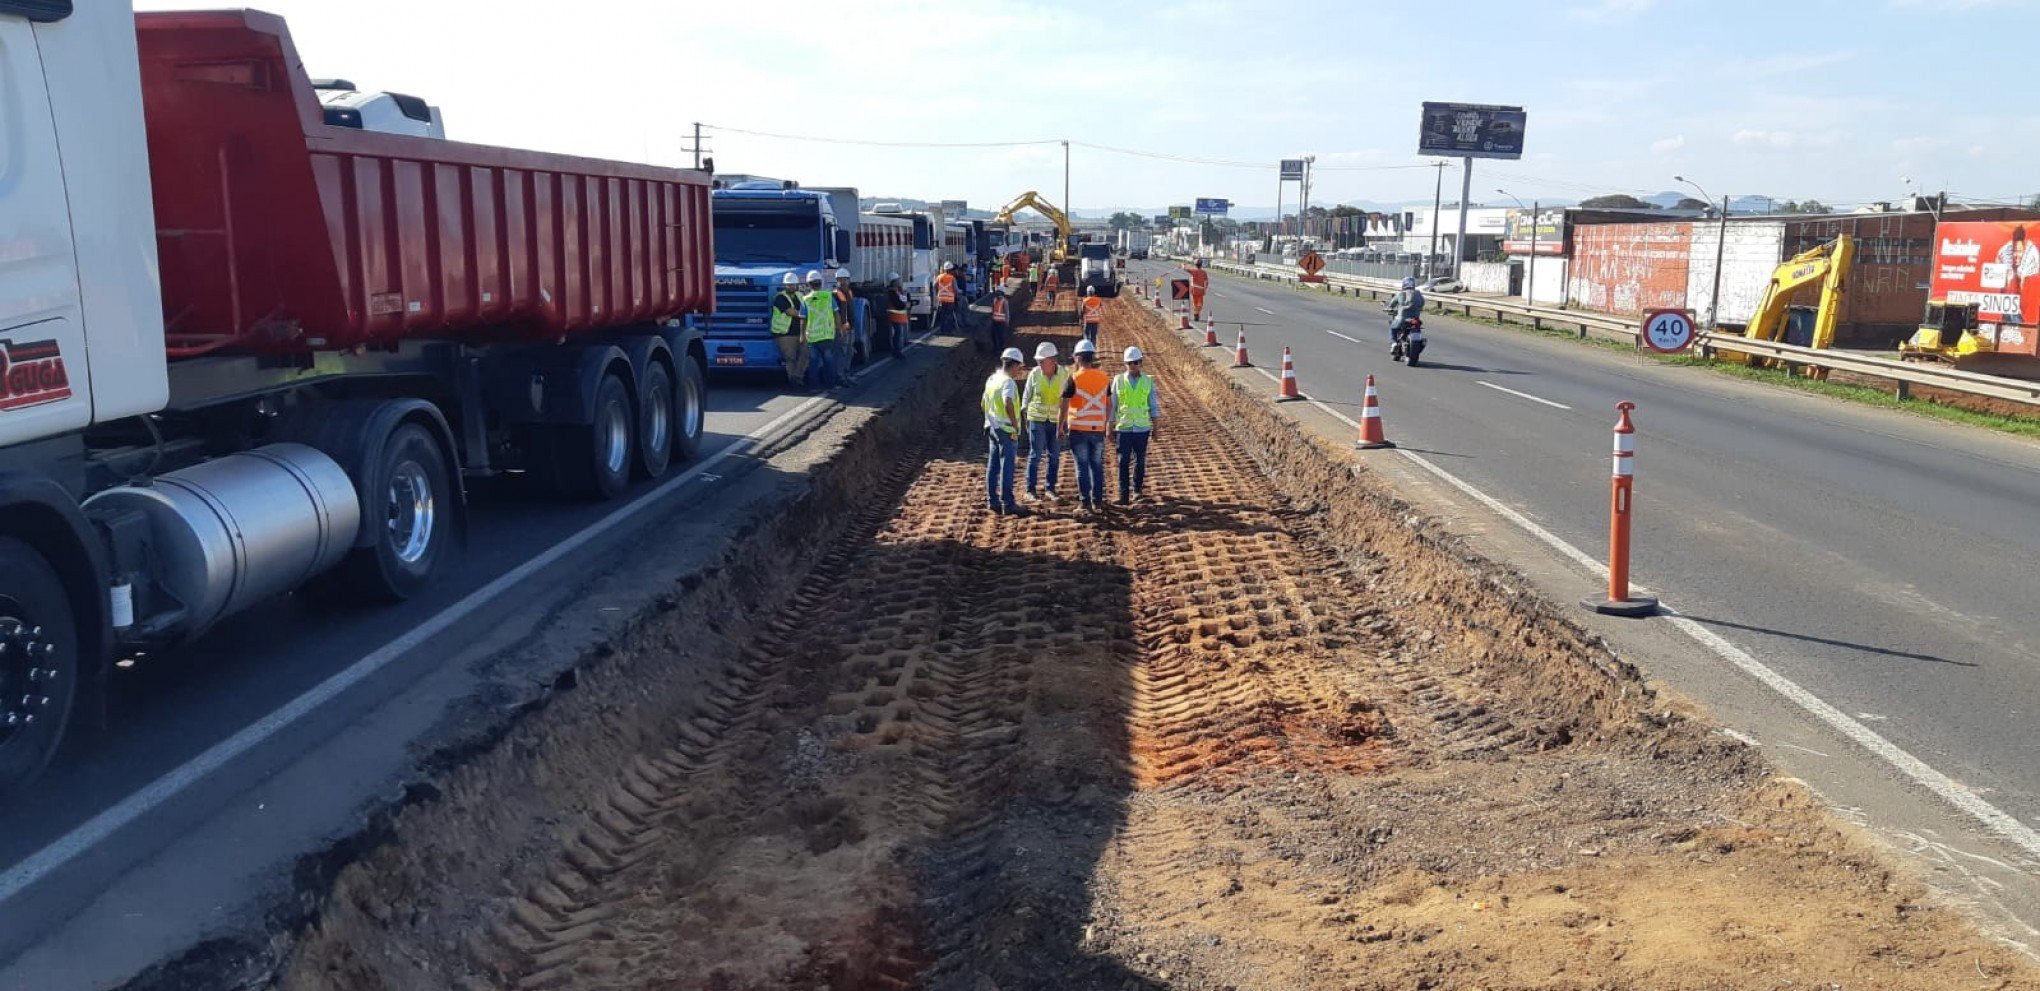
{"type": "Point", "coordinates": [257, 333]}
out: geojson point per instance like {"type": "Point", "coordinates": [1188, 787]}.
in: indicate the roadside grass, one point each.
{"type": "Point", "coordinates": [2021, 426]}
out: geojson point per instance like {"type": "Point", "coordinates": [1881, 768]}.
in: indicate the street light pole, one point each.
{"type": "Point", "coordinates": [1720, 251]}
{"type": "Point", "coordinates": [1437, 207]}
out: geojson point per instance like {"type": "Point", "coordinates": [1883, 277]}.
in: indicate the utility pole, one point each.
{"type": "Point", "coordinates": [1720, 251]}
{"type": "Point", "coordinates": [697, 149]}
{"type": "Point", "coordinates": [1437, 207]}
{"type": "Point", "coordinates": [1069, 209]}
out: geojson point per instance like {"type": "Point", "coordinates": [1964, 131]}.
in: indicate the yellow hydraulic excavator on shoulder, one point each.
{"type": "Point", "coordinates": [1060, 252]}
{"type": "Point", "coordinates": [1779, 318]}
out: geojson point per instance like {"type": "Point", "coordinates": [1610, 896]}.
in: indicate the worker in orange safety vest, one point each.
{"type": "Point", "coordinates": [1052, 284]}
{"type": "Point", "coordinates": [1200, 280]}
{"type": "Point", "coordinates": [945, 299]}
{"type": "Point", "coordinates": [1002, 316]}
{"type": "Point", "coordinates": [1093, 313]}
{"type": "Point", "coordinates": [1090, 416]}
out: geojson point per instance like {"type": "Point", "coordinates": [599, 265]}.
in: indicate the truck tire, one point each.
{"type": "Point", "coordinates": [690, 410]}
{"type": "Point", "coordinates": [656, 416]}
{"type": "Point", "coordinates": [409, 490]}
{"type": "Point", "coordinates": [40, 670]}
{"type": "Point", "coordinates": [590, 460]}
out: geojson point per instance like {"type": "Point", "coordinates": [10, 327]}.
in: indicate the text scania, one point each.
{"type": "Point", "coordinates": [31, 374]}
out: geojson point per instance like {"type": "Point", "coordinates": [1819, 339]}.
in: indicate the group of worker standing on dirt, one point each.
{"type": "Point", "coordinates": [1053, 405]}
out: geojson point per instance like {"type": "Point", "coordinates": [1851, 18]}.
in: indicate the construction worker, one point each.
{"type": "Point", "coordinates": [1134, 409]}
{"type": "Point", "coordinates": [1200, 280]}
{"type": "Point", "coordinates": [945, 299]}
{"type": "Point", "coordinates": [787, 321]}
{"type": "Point", "coordinates": [1001, 405]}
{"type": "Point", "coordinates": [1046, 404]}
{"type": "Point", "coordinates": [898, 313]}
{"type": "Point", "coordinates": [1033, 277]}
{"type": "Point", "coordinates": [1093, 313]}
{"type": "Point", "coordinates": [819, 312]}
{"type": "Point", "coordinates": [1052, 283]}
{"type": "Point", "coordinates": [846, 316]}
{"type": "Point", "coordinates": [1002, 316]}
{"type": "Point", "coordinates": [1090, 406]}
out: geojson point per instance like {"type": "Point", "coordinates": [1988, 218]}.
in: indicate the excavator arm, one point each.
{"type": "Point", "coordinates": [1827, 264]}
{"type": "Point", "coordinates": [1033, 199]}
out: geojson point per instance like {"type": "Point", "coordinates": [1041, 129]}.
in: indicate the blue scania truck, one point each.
{"type": "Point", "coordinates": [767, 228]}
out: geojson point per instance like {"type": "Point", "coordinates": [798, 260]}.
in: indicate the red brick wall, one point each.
{"type": "Point", "coordinates": [1626, 269]}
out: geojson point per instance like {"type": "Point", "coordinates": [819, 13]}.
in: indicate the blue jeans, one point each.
{"type": "Point", "coordinates": [1042, 444]}
{"type": "Point", "coordinates": [825, 370]}
{"type": "Point", "coordinates": [1001, 450]}
{"type": "Point", "coordinates": [945, 318]}
{"type": "Point", "coordinates": [1132, 460]}
{"type": "Point", "coordinates": [1087, 449]}
{"type": "Point", "coordinates": [998, 336]}
{"type": "Point", "coordinates": [1091, 332]}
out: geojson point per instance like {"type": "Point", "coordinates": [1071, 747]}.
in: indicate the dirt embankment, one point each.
{"type": "Point", "coordinates": [1258, 731]}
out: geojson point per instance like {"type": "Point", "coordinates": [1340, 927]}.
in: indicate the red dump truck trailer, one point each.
{"type": "Point", "coordinates": [243, 351]}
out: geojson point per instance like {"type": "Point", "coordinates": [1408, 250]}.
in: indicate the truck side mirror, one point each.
{"type": "Point", "coordinates": [842, 246]}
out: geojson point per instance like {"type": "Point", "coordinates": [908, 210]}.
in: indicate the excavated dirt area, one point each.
{"type": "Point", "coordinates": [1255, 732]}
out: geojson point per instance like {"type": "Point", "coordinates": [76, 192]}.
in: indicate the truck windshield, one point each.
{"type": "Point", "coordinates": [766, 233]}
{"type": "Point", "coordinates": [1094, 251]}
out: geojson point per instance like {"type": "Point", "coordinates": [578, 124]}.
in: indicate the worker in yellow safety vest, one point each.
{"type": "Point", "coordinates": [1046, 404]}
{"type": "Point", "coordinates": [819, 311]}
{"type": "Point", "coordinates": [788, 311]}
{"type": "Point", "coordinates": [1002, 316]}
{"type": "Point", "coordinates": [1090, 407]}
{"type": "Point", "coordinates": [1033, 276]}
{"type": "Point", "coordinates": [1001, 407]}
{"type": "Point", "coordinates": [1134, 409]}
{"type": "Point", "coordinates": [1093, 313]}
{"type": "Point", "coordinates": [945, 299]}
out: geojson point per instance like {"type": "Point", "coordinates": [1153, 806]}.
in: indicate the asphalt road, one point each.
{"type": "Point", "coordinates": [170, 709]}
{"type": "Point", "coordinates": [1885, 562]}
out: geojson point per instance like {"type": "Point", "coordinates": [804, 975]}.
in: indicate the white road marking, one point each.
{"type": "Point", "coordinates": [1522, 395]}
{"type": "Point", "coordinates": [1999, 822]}
{"type": "Point", "coordinates": [127, 811]}
{"type": "Point", "coordinates": [1343, 337]}
{"type": "Point", "coordinates": [1264, 310]}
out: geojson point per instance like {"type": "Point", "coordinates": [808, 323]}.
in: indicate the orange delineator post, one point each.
{"type": "Point", "coordinates": [1372, 434]}
{"type": "Point", "coordinates": [1621, 503]}
{"type": "Point", "coordinates": [1239, 354]}
{"type": "Point", "coordinates": [1288, 393]}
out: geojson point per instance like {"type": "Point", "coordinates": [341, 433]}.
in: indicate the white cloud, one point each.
{"type": "Point", "coordinates": [1665, 146]}
{"type": "Point", "coordinates": [1786, 140]}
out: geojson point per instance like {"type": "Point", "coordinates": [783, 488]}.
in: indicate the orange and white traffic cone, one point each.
{"type": "Point", "coordinates": [1239, 354]}
{"type": "Point", "coordinates": [1288, 393]}
{"type": "Point", "coordinates": [1211, 333]}
{"type": "Point", "coordinates": [1372, 435]}
{"type": "Point", "coordinates": [1184, 314]}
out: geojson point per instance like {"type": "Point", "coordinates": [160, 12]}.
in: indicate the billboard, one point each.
{"type": "Point", "coordinates": [1292, 168]}
{"type": "Point", "coordinates": [1997, 267]}
{"type": "Point", "coordinates": [954, 209]}
{"type": "Point", "coordinates": [1471, 130]}
{"type": "Point", "coordinates": [1212, 206]}
{"type": "Point", "coordinates": [1548, 229]}
{"type": "Point", "coordinates": [1179, 213]}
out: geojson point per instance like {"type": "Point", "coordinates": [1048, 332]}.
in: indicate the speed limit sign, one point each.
{"type": "Point", "coordinates": [1668, 331]}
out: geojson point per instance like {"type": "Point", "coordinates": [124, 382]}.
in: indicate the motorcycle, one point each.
{"type": "Point", "coordinates": [1407, 340]}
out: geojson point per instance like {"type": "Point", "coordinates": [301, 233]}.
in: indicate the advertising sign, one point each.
{"type": "Point", "coordinates": [1471, 130]}
{"type": "Point", "coordinates": [1212, 206]}
{"type": "Point", "coordinates": [954, 209]}
{"type": "Point", "coordinates": [1292, 169]}
{"type": "Point", "coordinates": [1179, 213]}
{"type": "Point", "coordinates": [1549, 226]}
{"type": "Point", "coordinates": [1997, 267]}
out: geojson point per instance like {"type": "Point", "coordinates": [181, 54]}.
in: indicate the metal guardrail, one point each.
{"type": "Point", "coordinates": [1903, 375]}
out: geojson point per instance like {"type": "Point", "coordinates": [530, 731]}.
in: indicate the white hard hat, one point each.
{"type": "Point", "coordinates": [1132, 355]}
{"type": "Point", "coordinates": [814, 276]}
{"type": "Point", "coordinates": [892, 276]}
{"type": "Point", "coordinates": [789, 279]}
{"type": "Point", "coordinates": [1086, 347]}
{"type": "Point", "coordinates": [1045, 349]}
{"type": "Point", "coordinates": [1013, 354]}
{"type": "Point", "coordinates": [946, 266]}
{"type": "Point", "coordinates": [1090, 290]}
{"type": "Point", "coordinates": [842, 273]}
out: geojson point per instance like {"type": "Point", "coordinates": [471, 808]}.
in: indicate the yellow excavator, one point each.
{"type": "Point", "coordinates": [1060, 252]}
{"type": "Point", "coordinates": [1951, 333]}
{"type": "Point", "coordinates": [1826, 264]}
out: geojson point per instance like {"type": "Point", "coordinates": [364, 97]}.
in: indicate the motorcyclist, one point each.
{"type": "Point", "coordinates": [1404, 306]}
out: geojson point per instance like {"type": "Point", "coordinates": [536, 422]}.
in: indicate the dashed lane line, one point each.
{"type": "Point", "coordinates": [1522, 395]}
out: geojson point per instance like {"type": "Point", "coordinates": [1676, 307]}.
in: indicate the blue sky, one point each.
{"type": "Point", "coordinates": [1819, 98]}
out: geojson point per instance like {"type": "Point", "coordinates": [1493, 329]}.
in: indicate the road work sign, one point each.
{"type": "Point", "coordinates": [1179, 288]}
{"type": "Point", "coordinates": [1668, 331]}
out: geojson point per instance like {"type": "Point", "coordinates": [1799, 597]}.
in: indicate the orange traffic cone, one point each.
{"type": "Point", "coordinates": [1184, 313]}
{"type": "Point", "coordinates": [1157, 299]}
{"type": "Point", "coordinates": [1239, 354]}
{"type": "Point", "coordinates": [1372, 436]}
{"type": "Point", "coordinates": [1288, 394]}
{"type": "Point", "coordinates": [1210, 333]}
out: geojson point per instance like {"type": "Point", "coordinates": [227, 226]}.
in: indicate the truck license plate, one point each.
{"type": "Point", "coordinates": [729, 359]}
